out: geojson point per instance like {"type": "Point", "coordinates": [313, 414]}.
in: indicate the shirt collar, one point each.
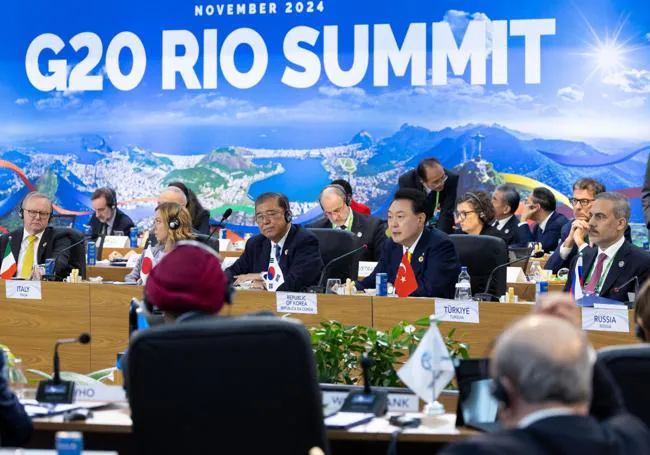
{"type": "Point", "coordinates": [542, 225]}
{"type": "Point", "coordinates": [503, 222]}
{"type": "Point", "coordinates": [415, 244]}
{"type": "Point", "coordinates": [111, 221]}
{"type": "Point", "coordinates": [612, 249]}
{"type": "Point", "coordinates": [348, 221]}
{"type": "Point", "coordinates": [542, 414]}
{"type": "Point", "coordinates": [38, 236]}
{"type": "Point", "coordinates": [282, 240]}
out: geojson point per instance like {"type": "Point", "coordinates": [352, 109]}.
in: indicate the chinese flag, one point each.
{"type": "Point", "coordinates": [405, 282]}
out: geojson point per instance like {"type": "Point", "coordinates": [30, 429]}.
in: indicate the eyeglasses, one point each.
{"type": "Point", "coordinates": [261, 217]}
{"type": "Point", "coordinates": [36, 213]}
{"type": "Point", "coordinates": [463, 215]}
{"type": "Point", "coordinates": [582, 202]}
{"type": "Point", "coordinates": [338, 211]}
{"type": "Point", "coordinates": [437, 182]}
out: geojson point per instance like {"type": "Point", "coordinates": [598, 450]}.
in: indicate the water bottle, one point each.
{"type": "Point", "coordinates": [535, 272]}
{"type": "Point", "coordinates": [91, 253]}
{"type": "Point", "coordinates": [17, 379]}
{"type": "Point", "coordinates": [133, 237]}
{"type": "Point", "coordinates": [463, 286]}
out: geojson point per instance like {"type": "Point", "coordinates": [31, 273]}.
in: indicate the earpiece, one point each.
{"type": "Point", "coordinates": [21, 210]}
{"type": "Point", "coordinates": [174, 222]}
{"type": "Point", "coordinates": [499, 392]}
{"type": "Point", "coordinates": [112, 201]}
{"type": "Point", "coordinates": [481, 212]}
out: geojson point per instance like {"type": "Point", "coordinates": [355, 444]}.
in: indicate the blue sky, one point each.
{"type": "Point", "coordinates": [575, 100]}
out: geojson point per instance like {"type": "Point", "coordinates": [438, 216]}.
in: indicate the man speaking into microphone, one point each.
{"type": "Point", "coordinates": [419, 262]}
{"type": "Point", "coordinates": [287, 253]}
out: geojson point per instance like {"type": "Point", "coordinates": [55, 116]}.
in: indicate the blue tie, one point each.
{"type": "Point", "coordinates": [278, 251]}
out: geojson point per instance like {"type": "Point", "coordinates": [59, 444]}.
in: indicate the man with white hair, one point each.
{"type": "Point", "coordinates": [542, 370]}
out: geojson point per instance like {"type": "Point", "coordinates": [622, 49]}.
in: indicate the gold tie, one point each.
{"type": "Point", "coordinates": [408, 255]}
{"type": "Point", "coordinates": [28, 260]}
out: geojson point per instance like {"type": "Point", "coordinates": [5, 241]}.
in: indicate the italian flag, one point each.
{"type": "Point", "coordinates": [8, 268]}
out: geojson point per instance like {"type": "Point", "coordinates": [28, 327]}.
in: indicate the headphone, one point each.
{"type": "Point", "coordinates": [499, 392]}
{"type": "Point", "coordinates": [111, 198]}
{"type": "Point", "coordinates": [174, 222]}
{"type": "Point", "coordinates": [339, 189]}
{"type": "Point", "coordinates": [481, 212]}
{"type": "Point", "coordinates": [283, 201]}
{"type": "Point", "coordinates": [21, 211]}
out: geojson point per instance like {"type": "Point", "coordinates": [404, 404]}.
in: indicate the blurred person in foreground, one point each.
{"type": "Point", "coordinates": [15, 424]}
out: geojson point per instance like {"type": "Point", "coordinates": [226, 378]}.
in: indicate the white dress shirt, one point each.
{"type": "Point", "coordinates": [499, 224]}
{"type": "Point", "coordinates": [542, 414]}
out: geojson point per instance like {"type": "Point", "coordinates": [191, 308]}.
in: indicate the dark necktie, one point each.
{"type": "Point", "coordinates": [278, 251]}
{"type": "Point", "coordinates": [598, 273]}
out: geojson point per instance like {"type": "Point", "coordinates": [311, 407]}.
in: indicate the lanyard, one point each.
{"type": "Point", "coordinates": [603, 275]}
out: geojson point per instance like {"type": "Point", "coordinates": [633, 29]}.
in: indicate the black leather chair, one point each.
{"type": "Point", "coordinates": [225, 385]}
{"type": "Point", "coordinates": [334, 243]}
{"type": "Point", "coordinates": [77, 252]}
{"type": "Point", "coordinates": [481, 254]}
{"type": "Point", "coordinates": [630, 367]}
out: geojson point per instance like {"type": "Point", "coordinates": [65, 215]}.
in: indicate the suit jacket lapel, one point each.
{"type": "Point", "coordinates": [357, 226]}
{"type": "Point", "coordinates": [45, 240]}
{"type": "Point", "coordinates": [416, 263]}
{"type": "Point", "coordinates": [284, 254]}
{"type": "Point", "coordinates": [615, 270]}
{"type": "Point", "coordinates": [588, 258]}
{"type": "Point", "coordinates": [16, 240]}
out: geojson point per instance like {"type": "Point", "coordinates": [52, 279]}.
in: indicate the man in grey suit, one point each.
{"type": "Point", "coordinates": [338, 215]}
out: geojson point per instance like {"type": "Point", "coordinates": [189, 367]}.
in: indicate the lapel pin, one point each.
{"type": "Point", "coordinates": [421, 258]}
{"type": "Point", "coordinates": [359, 234]}
{"type": "Point", "coordinates": [507, 231]}
{"type": "Point", "coordinates": [621, 264]}
{"type": "Point", "coordinates": [286, 252]}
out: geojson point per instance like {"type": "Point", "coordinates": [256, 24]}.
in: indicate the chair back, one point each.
{"type": "Point", "coordinates": [63, 221]}
{"type": "Point", "coordinates": [630, 367]}
{"type": "Point", "coordinates": [334, 243]}
{"type": "Point", "coordinates": [77, 253]}
{"type": "Point", "coordinates": [202, 386]}
{"type": "Point", "coordinates": [481, 254]}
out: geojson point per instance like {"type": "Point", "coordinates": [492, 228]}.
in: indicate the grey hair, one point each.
{"type": "Point", "coordinates": [621, 204]}
{"type": "Point", "coordinates": [36, 195]}
{"type": "Point", "coordinates": [177, 191]}
{"type": "Point", "coordinates": [539, 377]}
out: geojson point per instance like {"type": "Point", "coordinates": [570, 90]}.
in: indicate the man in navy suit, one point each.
{"type": "Point", "coordinates": [612, 261]}
{"type": "Point", "coordinates": [505, 200]}
{"type": "Point", "coordinates": [432, 255]}
{"type": "Point", "coordinates": [540, 208]}
{"type": "Point", "coordinates": [543, 373]}
{"type": "Point", "coordinates": [294, 248]}
{"type": "Point", "coordinates": [15, 424]}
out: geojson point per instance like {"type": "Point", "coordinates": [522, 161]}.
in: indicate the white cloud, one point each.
{"type": "Point", "coordinates": [647, 36]}
{"type": "Point", "coordinates": [630, 81]}
{"type": "Point", "coordinates": [458, 21]}
{"type": "Point", "coordinates": [331, 91]}
{"type": "Point", "coordinates": [572, 94]}
{"type": "Point", "coordinates": [58, 101]}
{"type": "Point", "coordinates": [22, 101]}
{"type": "Point", "coordinates": [207, 101]}
{"type": "Point", "coordinates": [631, 103]}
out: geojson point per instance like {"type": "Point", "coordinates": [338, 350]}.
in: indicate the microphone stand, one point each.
{"type": "Point", "coordinates": [485, 295]}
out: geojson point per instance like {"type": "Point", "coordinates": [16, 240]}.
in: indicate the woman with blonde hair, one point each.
{"type": "Point", "coordinates": [172, 223]}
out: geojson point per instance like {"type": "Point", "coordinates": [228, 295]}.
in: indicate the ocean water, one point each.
{"type": "Point", "coordinates": [302, 180]}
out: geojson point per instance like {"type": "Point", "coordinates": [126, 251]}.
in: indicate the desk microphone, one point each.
{"type": "Point", "coordinates": [219, 225]}
{"type": "Point", "coordinates": [486, 296]}
{"type": "Point", "coordinates": [368, 400]}
{"type": "Point", "coordinates": [323, 275]}
{"type": "Point", "coordinates": [56, 390]}
{"type": "Point", "coordinates": [67, 248]}
{"type": "Point", "coordinates": [634, 279]}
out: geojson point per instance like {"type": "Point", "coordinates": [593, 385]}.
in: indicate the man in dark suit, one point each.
{"type": "Point", "coordinates": [540, 208]}
{"type": "Point", "coordinates": [612, 261]}
{"type": "Point", "coordinates": [339, 215]}
{"type": "Point", "coordinates": [293, 247]}
{"type": "Point", "coordinates": [440, 187]}
{"type": "Point", "coordinates": [505, 200]}
{"type": "Point", "coordinates": [573, 236]}
{"type": "Point", "coordinates": [36, 241]}
{"type": "Point", "coordinates": [432, 255]}
{"type": "Point", "coordinates": [645, 195]}
{"type": "Point", "coordinates": [543, 373]}
{"type": "Point", "coordinates": [15, 424]}
{"type": "Point", "coordinates": [107, 218]}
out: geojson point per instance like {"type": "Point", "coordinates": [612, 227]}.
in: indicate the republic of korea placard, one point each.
{"type": "Point", "coordinates": [606, 319]}
{"type": "Point", "coordinates": [20, 289]}
{"type": "Point", "coordinates": [457, 311]}
{"type": "Point", "coordinates": [293, 302]}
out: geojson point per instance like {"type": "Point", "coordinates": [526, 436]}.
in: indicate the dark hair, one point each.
{"type": "Point", "coordinates": [511, 196]}
{"type": "Point", "coordinates": [280, 198]}
{"type": "Point", "coordinates": [480, 202]}
{"type": "Point", "coordinates": [642, 305]}
{"type": "Point", "coordinates": [590, 185]}
{"type": "Point", "coordinates": [544, 197]}
{"type": "Point", "coordinates": [419, 202]}
{"type": "Point", "coordinates": [193, 204]}
{"type": "Point", "coordinates": [427, 162]}
{"type": "Point", "coordinates": [345, 184]}
{"type": "Point", "coordinates": [107, 193]}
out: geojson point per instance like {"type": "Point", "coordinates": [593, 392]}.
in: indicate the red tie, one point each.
{"type": "Point", "coordinates": [595, 277]}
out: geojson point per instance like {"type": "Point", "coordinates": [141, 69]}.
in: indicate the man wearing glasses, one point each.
{"type": "Point", "coordinates": [294, 248]}
{"type": "Point", "coordinates": [540, 208]}
{"type": "Point", "coordinates": [36, 241]}
{"type": "Point", "coordinates": [574, 236]}
{"type": "Point", "coordinates": [440, 186]}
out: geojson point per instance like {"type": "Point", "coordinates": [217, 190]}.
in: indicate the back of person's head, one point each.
{"type": "Point", "coordinates": [426, 163]}
{"type": "Point", "coordinates": [589, 184]}
{"type": "Point", "coordinates": [545, 359]}
{"type": "Point", "coordinates": [418, 200]}
{"type": "Point", "coordinates": [193, 204]}
{"type": "Point", "coordinates": [481, 204]}
{"type": "Point", "coordinates": [345, 184]}
{"type": "Point", "coordinates": [178, 220]}
{"type": "Point", "coordinates": [173, 194]}
{"type": "Point", "coordinates": [545, 198]}
{"type": "Point", "coordinates": [510, 195]}
{"type": "Point", "coordinates": [188, 278]}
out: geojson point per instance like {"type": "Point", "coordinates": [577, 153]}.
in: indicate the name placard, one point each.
{"type": "Point", "coordinates": [606, 319]}
{"type": "Point", "coordinates": [115, 241]}
{"type": "Point", "coordinates": [366, 268]}
{"type": "Point", "coordinates": [457, 310]}
{"type": "Point", "coordinates": [228, 261]}
{"type": "Point", "coordinates": [19, 289]}
{"type": "Point", "coordinates": [99, 392]}
{"type": "Point", "coordinates": [397, 402]}
{"type": "Point", "coordinates": [293, 302]}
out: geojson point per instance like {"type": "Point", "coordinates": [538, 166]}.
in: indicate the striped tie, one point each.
{"type": "Point", "coordinates": [28, 260]}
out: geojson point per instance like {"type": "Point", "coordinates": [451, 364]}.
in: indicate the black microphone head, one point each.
{"type": "Point", "coordinates": [226, 214]}
{"type": "Point", "coordinates": [84, 338]}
